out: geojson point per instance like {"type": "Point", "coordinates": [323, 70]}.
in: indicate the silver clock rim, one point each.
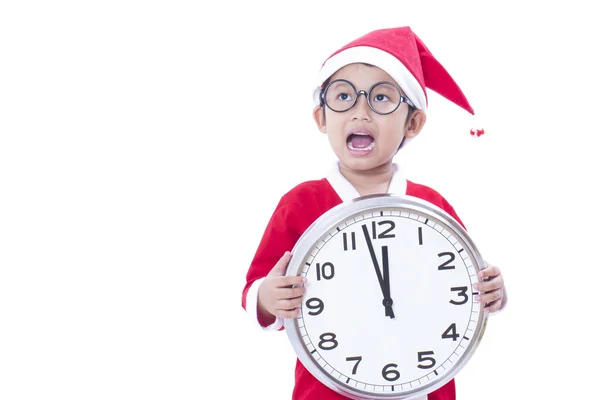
{"type": "Point", "coordinates": [328, 221]}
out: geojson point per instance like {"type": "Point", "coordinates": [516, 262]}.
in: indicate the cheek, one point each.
{"type": "Point", "coordinates": [335, 126]}
{"type": "Point", "coordinates": [392, 132]}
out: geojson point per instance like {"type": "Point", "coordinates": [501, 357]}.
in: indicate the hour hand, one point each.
{"type": "Point", "coordinates": [387, 294]}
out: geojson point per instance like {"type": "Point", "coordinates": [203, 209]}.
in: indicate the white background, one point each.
{"type": "Point", "coordinates": [144, 146]}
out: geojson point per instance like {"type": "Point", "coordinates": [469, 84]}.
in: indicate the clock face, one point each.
{"type": "Point", "coordinates": [388, 310]}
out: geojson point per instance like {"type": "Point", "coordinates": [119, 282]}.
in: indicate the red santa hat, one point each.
{"type": "Point", "coordinates": [400, 53]}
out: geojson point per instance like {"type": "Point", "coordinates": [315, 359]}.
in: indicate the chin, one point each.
{"type": "Point", "coordinates": [363, 164]}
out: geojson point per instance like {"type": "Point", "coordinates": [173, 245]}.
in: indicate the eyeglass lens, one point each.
{"type": "Point", "coordinates": [383, 97]}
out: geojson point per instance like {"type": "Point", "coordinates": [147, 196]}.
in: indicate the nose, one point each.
{"type": "Point", "coordinates": [361, 109]}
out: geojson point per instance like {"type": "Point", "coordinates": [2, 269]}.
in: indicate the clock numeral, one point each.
{"type": "Point", "coordinates": [326, 271]}
{"type": "Point", "coordinates": [314, 303]}
{"type": "Point", "coordinates": [431, 360]}
{"type": "Point", "coordinates": [386, 233]}
{"type": "Point", "coordinates": [357, 359]}
{"type": "Point", "coordinates": [328, 341]}
{"type": "Point", "coordinates": [445, 264]}
{"type": "Point", "coordinates": [352, 240]}
{"type": "Point", "coordinates": [390, 374]}
{"type": "Point", "coordinates": [420, 236]}
{"type": "Point", "coordinates": [462, 291]}
{"type": "Point", "coordinates": [450, 333]}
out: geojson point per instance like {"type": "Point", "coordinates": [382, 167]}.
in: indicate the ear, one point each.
{"type": "Point", "coordinates": [319, 116]}
{"type": "Point", "coordinates": [415, 123]}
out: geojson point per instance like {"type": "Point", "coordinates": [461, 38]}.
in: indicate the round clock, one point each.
{"type": "Point", "coordinates": [388, 311]}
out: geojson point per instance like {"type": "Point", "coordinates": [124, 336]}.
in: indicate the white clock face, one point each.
{"type": "Point", "coordinates": [388, 308]}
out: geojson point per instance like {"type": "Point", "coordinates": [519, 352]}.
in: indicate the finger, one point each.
{"type": "Point", "coordinates": [292, 293]}
{"type": "Point", "coordinates": [281, 265]}
{"type": "Point", "coordinates": [488, 272]}
{"type": "Point", "coordinates": [289, 304]}
{"type": "Point", "coordinates": [289, 281]}
{"type": "Point", "coordinates": [489, 285]}
{"type": "Point", "coordinates": [489, 297]}
{"type": "Point", "coordinates": [494, 306]}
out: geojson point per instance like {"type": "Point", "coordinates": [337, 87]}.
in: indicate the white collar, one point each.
{"type": "Point", "coordinates": [347, 192]}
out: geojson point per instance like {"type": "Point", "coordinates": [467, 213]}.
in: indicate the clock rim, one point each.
{"type": "Point", "coordinates": [328, 221]}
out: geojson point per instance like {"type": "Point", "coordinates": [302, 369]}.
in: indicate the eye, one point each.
{"type": "Point", "coordinates": [385, 93]}
{"type": "Point", "coordinates": [381, 97]}
{"type": "Point", "coordinates": [344, 96]}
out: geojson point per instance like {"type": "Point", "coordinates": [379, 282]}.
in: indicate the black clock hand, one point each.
{"type": "Point", "coordinates": [387, 295]}
{"type": "Point", "coordinates": [373, 258]}
{"type": "Point", "coordinates": [383, 281]}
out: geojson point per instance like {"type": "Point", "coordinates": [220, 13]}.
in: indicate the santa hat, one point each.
{"type": "Point", "coordinates": [400, 53]}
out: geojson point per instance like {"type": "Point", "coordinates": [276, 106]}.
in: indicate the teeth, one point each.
{"type": "Point", "coordinates": [369, 147]}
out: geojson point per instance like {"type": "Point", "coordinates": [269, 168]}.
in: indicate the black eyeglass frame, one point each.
{"type": "Point", "coordinates": [403, 99]}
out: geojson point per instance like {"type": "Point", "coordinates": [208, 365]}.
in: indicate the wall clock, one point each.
{"type": "Point", "coordinates": [388, 311]}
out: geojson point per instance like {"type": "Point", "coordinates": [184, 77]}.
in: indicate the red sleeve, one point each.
{"type": "Point", "coordinates": [280, 236]}
{"type": "Point", "coordinates": [450, 210]}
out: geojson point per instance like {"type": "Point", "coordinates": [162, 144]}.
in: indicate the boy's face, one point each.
{"type": "Point", "coordinates": [362, 139]}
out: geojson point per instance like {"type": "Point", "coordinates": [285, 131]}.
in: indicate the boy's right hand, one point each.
{"type": "Point", "coordinates": [276, 296]}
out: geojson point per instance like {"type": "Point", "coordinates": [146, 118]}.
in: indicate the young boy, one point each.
{"type": "Point", "coordinates": [391, 68]}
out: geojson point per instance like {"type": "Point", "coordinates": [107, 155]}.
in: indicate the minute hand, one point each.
{"type": "Point", "coordinates": [384, 282]}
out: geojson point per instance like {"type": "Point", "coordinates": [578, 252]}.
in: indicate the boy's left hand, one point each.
{"type": "Point", "coordinates": [491, 291]}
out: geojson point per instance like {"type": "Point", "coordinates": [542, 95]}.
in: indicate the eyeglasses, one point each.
{"type": "Point", "coordinates": [383, 97]}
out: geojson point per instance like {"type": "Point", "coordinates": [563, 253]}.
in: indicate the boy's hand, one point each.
{"type": "Point", "coordinates": [491, 291]}
{"type": "Point", "coordinates": [276, 297]}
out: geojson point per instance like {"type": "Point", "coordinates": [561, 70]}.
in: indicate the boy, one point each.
{"type": "Point", "coordinates": [391, 68]}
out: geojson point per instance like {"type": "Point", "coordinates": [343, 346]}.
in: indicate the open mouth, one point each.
{"type": "Point", "coordinates": [360, 142]}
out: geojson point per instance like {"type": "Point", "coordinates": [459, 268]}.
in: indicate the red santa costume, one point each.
{"type": "Point", "coordinates": [402, 55]}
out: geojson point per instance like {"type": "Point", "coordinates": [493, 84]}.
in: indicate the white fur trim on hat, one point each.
{"type": "Point", "coordinates": [379, 58]}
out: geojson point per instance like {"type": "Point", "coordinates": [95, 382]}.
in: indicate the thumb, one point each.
{"type": "Point", "coordinates": [281, 266]}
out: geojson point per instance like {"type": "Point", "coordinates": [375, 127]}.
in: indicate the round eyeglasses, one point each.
{"type": "Point", "coordinates": [383, 97]}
